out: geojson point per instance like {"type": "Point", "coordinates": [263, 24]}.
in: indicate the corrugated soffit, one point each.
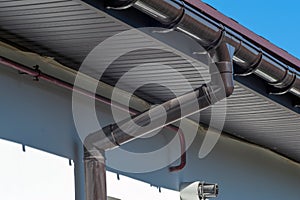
{"type": "Point", "coordinates": [68, 30]}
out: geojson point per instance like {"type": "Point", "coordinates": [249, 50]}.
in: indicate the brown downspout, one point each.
{"type": "Point", "coordinates": [114, 135]}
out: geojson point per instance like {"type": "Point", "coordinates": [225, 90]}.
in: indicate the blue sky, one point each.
{"type": "Point", "coordinates": [277, 21]}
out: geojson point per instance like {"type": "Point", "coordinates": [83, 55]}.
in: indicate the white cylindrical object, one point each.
{"type": "Point", "coordinates": [189, 191]}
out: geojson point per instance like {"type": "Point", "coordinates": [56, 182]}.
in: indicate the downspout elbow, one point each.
{"type": "Point", "coordinates": [226, 73]}
{"type": "Point", "coordinates": [222, 81]}
{"type": "Point", "coordinates": [101, 140]}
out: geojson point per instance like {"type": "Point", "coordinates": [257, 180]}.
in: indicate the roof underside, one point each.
{"type": "Point", "coordinates": [68, 30]}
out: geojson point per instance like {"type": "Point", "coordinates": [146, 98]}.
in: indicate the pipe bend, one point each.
{"type": "Point", "coordinates": [101, 140]}
{"type": "Point", "coordinates": [227, 77]}
{"type": "Point", "coordinates": [222, 74]}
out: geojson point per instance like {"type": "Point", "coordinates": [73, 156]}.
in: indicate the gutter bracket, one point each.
{"type": "Point", "coordinates": [175, 23]}
{"type": "Point", "coordinates": [39, 72]}
{"type": "Point", "coordinates": [215, 44]}
{"type": "Point", "coordinates": [253, 67]}
{"type": "Point", "coordinates": [284, 90]}
{"type": "Point", "coordinates": [288, 78]}
{"type": "Point", "coordinates": [124, 6]}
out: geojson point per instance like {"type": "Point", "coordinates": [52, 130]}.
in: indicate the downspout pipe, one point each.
{"type": "Point", "coordinates": [114, 135]}
{"type": "Point", "coordinates": [220, 87]}
{"type": "Point", "coordinates": [249, 58]}
{"type": "Point", "coordinates": [95, 175]}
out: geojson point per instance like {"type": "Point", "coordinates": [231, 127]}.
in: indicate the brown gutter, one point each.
{"type": "Point", "coordinates": [243, 31]}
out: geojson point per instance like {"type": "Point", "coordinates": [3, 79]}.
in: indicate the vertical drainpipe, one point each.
{"type": "Point", "coordinates": [95, 175]}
